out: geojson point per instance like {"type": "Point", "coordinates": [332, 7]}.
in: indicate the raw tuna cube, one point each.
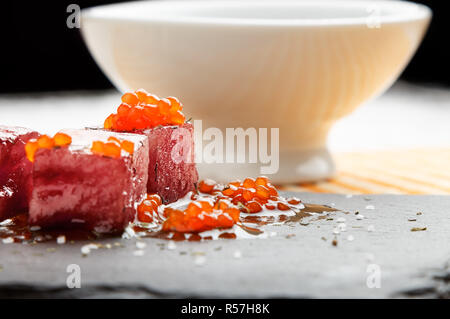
{"type": "Point", "coordinates": [172, 172]}
{"type": "Point", "coordinates": [72, 187]}
{"type": "Point", "coordinates": [15, 170]}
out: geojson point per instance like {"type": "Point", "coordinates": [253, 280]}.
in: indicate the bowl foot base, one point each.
{"type": "Point", "coordinates": [294, 167]}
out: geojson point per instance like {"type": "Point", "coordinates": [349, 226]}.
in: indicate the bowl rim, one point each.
{"type": "Point", "coordinates": [405, 11]}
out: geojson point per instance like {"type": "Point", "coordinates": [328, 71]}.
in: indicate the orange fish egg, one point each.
{"type": "Point", "coordinates": [148, 208]}
{"type": "Point", "coordinates": [112, 148]}
{"type": "Point", "coordinates": [45, 141]}
{"type": "Point", "coordinates": [200, 216]}
{"type": "Point", "coordinates": [142, 110]}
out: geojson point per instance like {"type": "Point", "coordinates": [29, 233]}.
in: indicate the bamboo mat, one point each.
{"type": "Point", "coordinates": [419, 171]}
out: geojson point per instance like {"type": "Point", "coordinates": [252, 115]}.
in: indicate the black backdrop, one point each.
{"type": "Point", "coordinates": [39, 52]}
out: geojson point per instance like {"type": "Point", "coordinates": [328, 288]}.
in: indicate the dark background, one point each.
{"type": "Point", "coordinates": [40, 53]}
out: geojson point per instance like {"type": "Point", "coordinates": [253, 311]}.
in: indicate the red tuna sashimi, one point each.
{"type": "Point", "coordinates": [15, 170]}
{"type": "Point", "coordinates": [72, 187]}
{"type": "Point", "coordinates": [172, 172]}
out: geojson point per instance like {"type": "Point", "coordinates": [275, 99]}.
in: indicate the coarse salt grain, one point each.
{"type": "Point", "coordinates": [35, 228]}
{"type": "Point", "coordinates": [200, 260]}
{"type": "Point", "coordinates": [370, 207]}
{"type": "Point", "coordinates": [371, 228]}
{"type": "Point", "coordinates": [171, 245]}
{"type": "Point", "coordinates": [60, 240]}
{"type": "Point", "coordinates": [138, 253]}
{"type": "Point", "coordinates": [140, 245]}
{"type": "Point", "coordinates": [128, 233]}
{"type": "Point", "coordinates": [86, 249]}
{"type": "Point", "coordinates": [6, 222]}
{"type": "Point", "coordinates": [237, 254]}
{"type": "Point", "coordinates": [8, 240]}
{"type": "Point", "coordinates": [342, 227]}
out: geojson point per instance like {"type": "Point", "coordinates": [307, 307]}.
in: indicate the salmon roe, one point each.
{"type": "Point", "coordinates": [148, 208]}
{"type": "Point", "coordinates": [251, 194]}
{"type": "Point", "coordinates": [201, 216]}
{"type": "Point", "coordinates": [215, 205]}
{"type": "Point", "coordinates": [45, 141]}
{"type": "Point", "coordinates": [207, 186]}
{"type": "Point", "coordinates": [142, 110]}
{"type": "Point", "coordinates": [112, 148]}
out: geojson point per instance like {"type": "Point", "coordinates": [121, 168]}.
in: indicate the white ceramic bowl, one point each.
{"type": "Point", "coordinates": [298, 65]}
